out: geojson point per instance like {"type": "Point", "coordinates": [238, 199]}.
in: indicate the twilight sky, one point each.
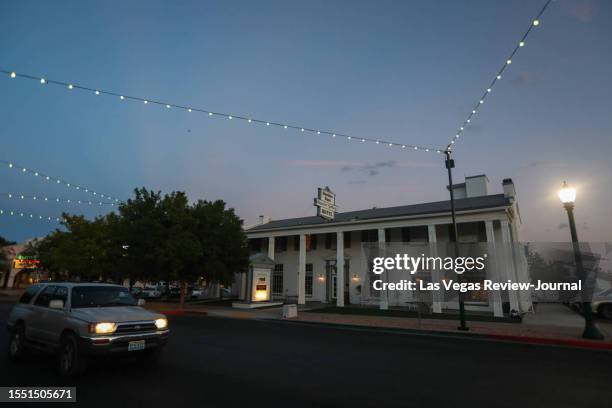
{"type": "Point", "coordinates": [396, 70]}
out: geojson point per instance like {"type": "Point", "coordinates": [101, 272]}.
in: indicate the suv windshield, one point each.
{"type": "Point", "coordinates": [97, 296]}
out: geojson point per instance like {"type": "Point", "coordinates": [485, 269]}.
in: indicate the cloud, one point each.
{"type": "Point", "coordinates": [374, 169]}
{"type": "Point", "coordinates": [322, 163]}
{"type": "Point", "coordinates": [582, 11]}
{"type": "Point", "coordinates": [523, 78]}
{"type": "Point", "coordinates": [369, 169]}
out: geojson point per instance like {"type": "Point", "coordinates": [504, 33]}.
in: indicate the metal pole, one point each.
{"type": "Point", "coordinates": [450, 164]}
{"type": "Point", "coordinates": [590, 330]}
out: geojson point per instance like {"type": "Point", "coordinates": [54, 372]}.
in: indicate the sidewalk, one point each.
{"type": "Point", "coordinates": [554, 325]}
{"type": "Point", "coordinates": [215, 311]}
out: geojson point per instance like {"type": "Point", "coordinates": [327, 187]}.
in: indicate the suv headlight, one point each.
{"type": "Point", "coordinates": [161, 323]}
{"type": "Point", "coordinates": [103, 328]}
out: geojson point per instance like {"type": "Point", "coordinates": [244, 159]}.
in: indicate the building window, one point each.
{"type": "Point", "coordinates": [330, 242]}
{"type": "Point", "coordinates": [255, 244]}
{"type": "Point", "coordinates": [369, 236]}
{"type": "Point", "coordinates": [311, 242]}
{"type": "Point", "coordinates": [282, 244]}
{"type": "Point", "coordinates": [405, 234]}
{"type": "Point", "coordinates": [277, 280]}
{"type": "Point", "coordinates": [347, 239]}
{"type": "Point", "coordinates": [296, 242]}
{"type": "Point", "coordinates": [309, 275]}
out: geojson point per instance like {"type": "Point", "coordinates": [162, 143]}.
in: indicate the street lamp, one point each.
{"type": "Point", "coordinates": [567, 195]}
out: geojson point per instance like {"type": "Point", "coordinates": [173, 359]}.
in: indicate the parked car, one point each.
{"type": "Point", "coordinates": [150, 293]}
{"type": "Point", "coordinates": [602, 304]}
{"type": "Point", "coordinates": [197, 293]}
{"type": "Point", "coordinates": [77, 321]}
{"type": "Point", "coordinates": [136, 292]}
{"type": "Point", "coordinates": [175, 292]}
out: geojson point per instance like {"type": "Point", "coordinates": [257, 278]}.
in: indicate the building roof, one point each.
{"type": "Point", "coordinates": [461, 204]}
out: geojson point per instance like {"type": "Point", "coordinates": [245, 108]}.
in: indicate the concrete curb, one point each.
{"type": "Point", "coordinates": [575, 343]}
{"type": "Point", "coordinates": [179, 312]}
{"type": "Point", "coordinates": [531, 340]}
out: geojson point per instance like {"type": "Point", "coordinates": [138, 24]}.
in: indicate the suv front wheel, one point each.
{"type": "Point", "coordinates": [71, 361]}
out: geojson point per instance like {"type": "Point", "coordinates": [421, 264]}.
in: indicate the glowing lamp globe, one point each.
{"type": "Point", "coordinates": [567, 194]}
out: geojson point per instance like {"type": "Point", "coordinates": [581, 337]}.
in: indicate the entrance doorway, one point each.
{"type": "Point", "coordinates": [332, 280]}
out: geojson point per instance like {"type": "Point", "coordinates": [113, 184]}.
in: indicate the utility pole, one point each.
{"type": "Point", "coordinates": [450, 164]}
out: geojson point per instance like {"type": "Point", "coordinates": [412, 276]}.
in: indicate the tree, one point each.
{"type": "Point", "coordinates": [181, 248]}
{"type": "Point", "coordinates": [4, 265]}
{"type": "Point", "coordinates": [86, 250]}
{"type": "Point", "coordinates": [225, 246]}
{"type": "Point", "coordinates": [151, 237]}
{"type": "Point", "coordinates": [140, 230]}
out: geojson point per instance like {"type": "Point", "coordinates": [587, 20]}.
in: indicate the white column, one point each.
{"type": "Point", "coordinates": [271, 241]}
{"type": "Point", "coordinates": [302, 271]}
{"type": "Point", "coordinates": [495, 296]}
{"type": "Point", "coordinates": [509, 262]}
{"type": "Point", "coordinates": [384, 296]}
{"type": "Point", "coordinates": [435, 275]}
{"type": "Point", "coordinates": [340, 269]}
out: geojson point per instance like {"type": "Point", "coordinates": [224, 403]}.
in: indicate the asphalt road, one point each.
{"type": "Point", "coordinates": [222, 362]}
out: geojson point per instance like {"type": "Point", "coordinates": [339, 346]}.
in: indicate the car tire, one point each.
{"type": "Point", "coordinates": [17, 344]}
{"type": "Point", "coordinates": [605, 311]}
{"type": "Point", "coordinates": [71, 361]}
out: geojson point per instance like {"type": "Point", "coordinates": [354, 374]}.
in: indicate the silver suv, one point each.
{"type": "Point", "coordinates": [80, 320]}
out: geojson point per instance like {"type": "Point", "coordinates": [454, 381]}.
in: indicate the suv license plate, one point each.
{"type": "Point", "coordinates": [136, 345]}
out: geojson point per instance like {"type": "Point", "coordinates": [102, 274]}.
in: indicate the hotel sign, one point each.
{"type": "Point", "coordinates": [325, 203]}
{"type": "Point", "coordinates": [25, 262]}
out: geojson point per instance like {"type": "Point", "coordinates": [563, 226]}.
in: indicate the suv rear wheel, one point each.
{"type": "Point", "coordinates": [16, 347]}
{"type": "Point", "coordinates": [71, 361]}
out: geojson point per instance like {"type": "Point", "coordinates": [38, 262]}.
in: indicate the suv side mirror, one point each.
{"type": "Point", "coordinates": [56, 304]}
{"type": "Point", "coordinates": [141, 302]}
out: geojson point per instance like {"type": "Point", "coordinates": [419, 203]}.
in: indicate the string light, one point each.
{"type": "Point", "coordinates": [21, 214]}
{"type": "Point", "coordinates": [498, 76]}
{"type": "Point", "coordinates": [57, 199]}
{"type": "Point", "coordinates": [150, 101]}
{"type": "Point", "coordinates": [57, 180]}
{"type": "Point", "coordinates": [520, 44]}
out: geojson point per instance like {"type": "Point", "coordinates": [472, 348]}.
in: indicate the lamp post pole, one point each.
{"type": "Point", "coordinates": [450, 164]}
{"type": "Point", "coordinates": [590, 330]}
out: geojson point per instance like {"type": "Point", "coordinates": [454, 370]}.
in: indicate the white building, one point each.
{"type": "Point", "coordinates": [307, 251]}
